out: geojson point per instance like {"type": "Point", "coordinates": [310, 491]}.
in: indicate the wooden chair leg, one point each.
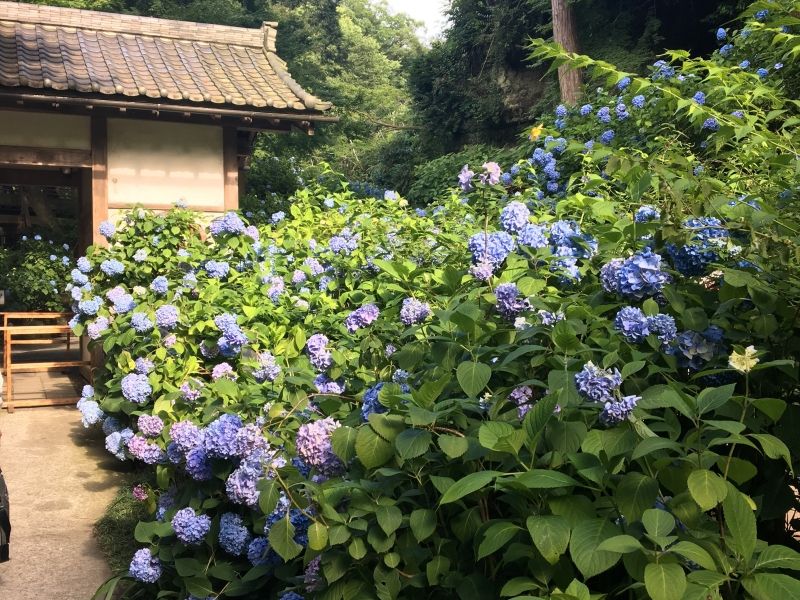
{"type": "Point", "coordinates": [9, 377]}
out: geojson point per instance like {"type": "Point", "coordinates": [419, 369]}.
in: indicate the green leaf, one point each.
{"type": "Point", "coordinates": [423, 523]}
{"type": "Point", "coordinates": [707, 489]}
{"type": "Point", "coordinates": [550, 535]}
{"type": "Point", "coordinates": [772, 586]}
{"type": "Point", "coordinates": [389, 518]}
{"type": "Point", "coordinates": [741, 522]}
{"type": "Point", "coordinates": [774, 448]}
{"type": "Point", "coordinates": [632, 367]}
{"type": "Point", "coordinates": [664, 581]}
{"type": "Point", "coordinates": [538, 416]}
{"type": "Point", "coordinates": [635, 494]}
{"type": "Point", "coordinates": [586, 537]}
{"type": "Point", "coordinates": [658, 523]}
{"type": "Point", "coordinates": [270, 493]}
{"type": "Point", "coordinates": [357, 548]}
{"type": "Point", "coordinates": [495, 537]}
{"type": "Point", "coordinates": [653, 444]}
{"type": "Point", "coordinates": [473, 377]}
{"type": "Point", "coordinates": [623, 544]}
{"type": "Point", "coordinates": [413, 443]}
{"type": "Point", "coordinates": [387, 426]}
{"type": "Point", "coordinates": [281, 539]}
{"type": "Point", "coordinates": [778, 557]}
{"type": "Point", "coordinates": [467, 485]}
{"type": "Point", "coordinates": [372, 450]}
{"type": "Point", "coordinates": [438, 566]}
{"type": "Point", "coordinates": [545, 479]}
{"type": "Point", "coordinates": [317, 536]}
{"type": "Point", "coordinates": [518, 585]}
{"type": "Point", "coordinates": [343, 442]}
{"type": "Point", "coordinates": [199, 586]}
{"type": "Point", "coordinates": [501, 437]}
{"type": "Point", "coordinates": [187, 567]}
{"type": "Point", "coordinates": [564, 337]}
{"type": "Point", "coordinates": [453, 446]}
{"type": "Point", "coordinates": [712, 398]}
{"type": "Point", "coordinates": [663, 396]}
{"type": "Point", "coordinates": [694, 553]}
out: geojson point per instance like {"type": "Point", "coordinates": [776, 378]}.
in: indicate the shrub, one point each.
{"type": "Point", "coordinates": [34, 273]}
{"type": "Point", "coordinates": [579, 380]}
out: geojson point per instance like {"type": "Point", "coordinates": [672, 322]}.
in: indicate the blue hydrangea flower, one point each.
{"type": "Point", "coordinates": [198, 465]}
{"type": "Point", "coordinates": [633, 324]}
{"type": "Point", "coordinates": [361, 317]}
{"type": "Point", "coordinates": [318, 353]}
{"type": "Point", "coordinates": [726, 50]}
{"type": "Point", "coordinates": [145, 567]}
{"type": "Point", "coordinates": [371, 403]}
{"type": "Point", "coordinates": [509, 304]}
{"type": "Point", "coordinates": [167, 316]}
{"type": "Point", "coordinates": [186, 435]}
{"type": "Point", "coordinates": [91, 413]}
{"type": "Point", "coordinates": [136, 388]}
{"type": "Point", "coordinates": [721, 34]}
{"type": "Point", "coordinates": [762, 72]}
{"type": "Point", "coordinates": [561, 111]}
{"type": "Point", "coordinates": [229, 223]}
{"type": "Point", "coordinates": [190, 528]}
{"type": "Point", "coordinates": [217, 269]}
{"type": "Point", "coordinates": [762, 15]}
{"type": "Point", "coordinates": [117, 441]}
{"type": "Point", "coordinates": [514, 217]}
{"type": "Point", "coordinates": [277, 217]}
{"type": "Point", "coordinates": [664, 327]}
{"type": "Point", "coordinates": [141, 323]}
{"type": "Point", "coordinates": [693, 349]}
{"type": "Point", "coordinates": [745, 64]}
{"type": "Point", "coordinates": [699, 98]}
{"type": "Point", "coordinates": [219, 439]}
{"type": "Point", "coordinates": [607, 137]}
{"type": "Point", "coordinates": [268, 369]}
{"type": "Point", "coordinates": [604, 115]}
{"type": "Point", "coordinates": [413, 311]}
{"type": "Point", "coordinates": [637, 277]}
{"type": "Point", "coordinates": [621, 111]}
{"type": "Point", "coordinates": [160, 285]}
{"type": "Point", "coordinates": [623, 83]}
{"type": "Point", "coordinates": [233, 535]}
{"type": "Point", "coordinates": [326, 385]}
{"type": "Point", "coordinates": [491, 247]}
{"type": "Point", "coordinates": [241, 485]}
{"type": "Point", "coordinates": [586, 109]}
{"type": "Point", "coordinates": [84, 266]}
{"type": "Point", "coordinates": [638, 101]}
{"type": "Point", "coordinates": [596, 384]}
{"type": "Point", "coordinates": [617, 411]}
{"type": "Point", "coordinates": [79, 278]}
{"type": "Point", "coordinates": [647, 213]}
{"type": "Point", "coordinates": [107, 229]}
{"type": "Point", "coordinates": [112, 267]}
{"type": "Point", "coordinates": [533, 236]}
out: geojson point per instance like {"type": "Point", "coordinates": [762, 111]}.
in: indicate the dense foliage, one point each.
{"type": "Point", "coordinates": [32, 273]}
{"type": "Point", "coordinates": [572, 377]}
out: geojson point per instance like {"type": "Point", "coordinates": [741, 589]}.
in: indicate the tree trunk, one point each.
{"type": "Point", "coordinates": [569, 80]}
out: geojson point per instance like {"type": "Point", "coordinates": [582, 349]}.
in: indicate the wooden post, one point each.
{"type": "Point", "coordinates": [230, 165]}
{"type": "Point", "coordinates": [99, 211]}
{"type": "Point", "coordinates": [564, 33]}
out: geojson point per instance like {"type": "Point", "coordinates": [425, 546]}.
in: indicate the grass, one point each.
{"type": "Point", "coordinates": [114, 530]}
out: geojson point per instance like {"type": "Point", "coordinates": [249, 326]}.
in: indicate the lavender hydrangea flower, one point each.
{"type": "Point", "coordinates": [112, 267]}
{"type": "Point", "coordinates": [482, 270]}
{"type": "Point", "coordinates": [241, 485]}
{"type": "Point", "coordinates": [233, 535]}
{"type": "Point", "coordinates": [229, 223]}
{"type": "Point", "coordinates": [508, 302]}
{"type": "Point", "coordinates": [145, 567]}
{"type": "Point", "coordinates": [167, 316]}
{"type": "Point", "coordinates": [148, 452]}
{"type": "Point", "coordinates": [190, 528]}
{"type": "Point", "coordinates": [217, 269]}
{"type": "Point", "coordinates": [219, 439]}
{"type": "Point", "coordinates": [268, 369]}
{"type": "Point", "coordinates": [596, 384]}
{"type": "Point", "coordinates": [107, 229]}
{"type": "Point", "coordinates": [326, 385]}
{"type": "Point", "coordinates": [314, 266]}
{"type": "Point", "coordinates": [313, 444]}
{"type": "Point", "coordinates": [141, 323]}
{"type": "Point", "coordinates": [144, 365]}
{"type": "Point", "coordinates": [136, 388]}
{"type": "Point", "coordinates": [312, 576]}
{"type": "Point", "coordinates": [522, 396]}
{"type": "Point", "coordinates": [95, 329]}
{"type": "Point", "coordinates": [361, 317]}
{"type": "Point", "coordinates": [617, 411]}
{"type": "Point", "coordinates": [150, 425]}
{"type": "Point", "coordinates": [160, 285]}
{"type": "Point", "coordinates": [465, 178]}
{"type": "Point", "coordinates": [198, 465]}
{"type": "Point", "coordinates": [633, 324]}
{"type": "Point", "coordinates": [413, 311]}
{"type": "Point", "coordinates": [186, 435]}
{"type": "Point", "coordinates": [514, 217]}
{"type": "Point", "coordinates": [318, 353]}
{"type": "Point", "coordinates": [91, 413]}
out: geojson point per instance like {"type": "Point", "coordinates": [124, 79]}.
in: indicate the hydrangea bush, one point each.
{"type": "Point", "coordinates": [573, 376]}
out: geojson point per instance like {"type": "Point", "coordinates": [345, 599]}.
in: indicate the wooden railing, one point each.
{"type": "Point", "coordinates": [9, 368]}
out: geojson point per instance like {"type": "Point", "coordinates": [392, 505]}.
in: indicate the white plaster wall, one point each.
{"type": "Point", "coordinates": [158, 163]}
{"type": "Point", "coordinates": [44, 130]}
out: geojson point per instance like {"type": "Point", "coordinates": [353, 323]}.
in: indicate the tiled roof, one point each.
{"type": "Point", "coordinates": [83, 51]}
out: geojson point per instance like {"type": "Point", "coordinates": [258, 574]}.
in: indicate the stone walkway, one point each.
{"type": "Point", "coordinates": [60, 480]}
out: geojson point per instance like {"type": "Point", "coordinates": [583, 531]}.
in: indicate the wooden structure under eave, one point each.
{"type": "Point", "coordinates": [138, 111]}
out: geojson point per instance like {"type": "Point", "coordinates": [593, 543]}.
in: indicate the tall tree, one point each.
{"type": "Point", "coordinates": [565, 34]}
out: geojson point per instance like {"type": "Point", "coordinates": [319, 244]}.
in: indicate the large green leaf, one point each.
{"type": "Point", "coordinates": [317, 536]}
{"type": "Point", "coordinates": [389, 518]}
{"type": "Point", "coordinates": [665, 581]}
{"type": "Point", "coordinates": [778, 557]}
{"type": "Point", "coordinates": [413, 443]}
{"type": "Point", "coordinates": [564, 337]}
{"type": "Point", "coordinates": [423, 523]}
{"type": "Point", "coordinates": [545, 479]}
{"type": "Point", "coordinates": [712, 398]}
{"type": "Point", "coordinates": [741, 522]}
{"type": "Point", "coordinates": [658, 522]}
{"type": "Point", "coordinates": [372, 450]}
{"type": "Point", "coordinates": [635, 494]}
{"type": "Point", "coordinates": [281, 539]}
{"type": "Point", "coordinates": [467, 485]}
{"type": "Point", "coordinates": [772, 586]}
{"type": "Point", "coordinates": [495, 537]}
{"type": "Point", "coordinates": [586, 537]}
{"type": "Point", "coordinates": [550, 535]}
{"type": "Point", "coordinates": [694, 553]}
{"type": "Point", "coordinates": [473, 377]}
{"type": "Point", "coordinates": [707, 489]}
{"type": "Point", "coordinates": [343, 442]}
{"type": "Point", "coordinates": [453, 446]}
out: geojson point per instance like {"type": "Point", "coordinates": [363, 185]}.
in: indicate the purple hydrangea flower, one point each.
{"type": "Point", "coordinates": [318, 353]}
{"type": "Point", "coordinates": [136, 388]}
{"type": "Point", "coordinates": [219, 439]}
{"type": "Point", "coordinates": [190, 393]}
{"type": "Point", "coordinates": [150, 425]}
{"type": "Point", "coordinates": [514, 217]}
{"type": "Point", "coordinates": [326, 385]}
{"type": "Point", "coordinates": [148, 452]}
{"type": "Point", "coordinates": [190, 528]}
{"type": "Point", "coordinates": [144, 365]}
{"type": "Point", "coordinates": [268, 369]}
{"type": "Point", "coordinates": [313, 443]}
{"type": "Point", "coordinates": [97, 327]}
{"type": "Point", "coordinates": [217, 269]}
{"type": "Point", "coordinates": [139, 493]}
{"type": "Point", "coordinates": [314, 266]}
{"type": "Point", "coordinates": [493, 247]}
{"type": "Point", "coordinates": [361, 317]}
{"type": "Point", "coordinates": [186, 435]}
{"type": "Point", "coordinates": [141, 323]}
{"type": "Point", "coordinates": [241, 483]}
{"type": "Point", "coordinates": [229, 223]}
{"type": "Point", "coordinates": [413, 311]}
{"type": "Point", "coordinates": [233, 535]}
{"type": "Point", "coordinates": [523, 397]}
{"type": "Point", "coordinates": [145, 567]}
{"type": "Point", "coordinates": [167, 316]}
{"type": "Point", "coordinates": [465, 178]}
{"type": "Point", "coordinates": [633, 324]}
{"type": "Point", "coordinates": [160, 285]}
{"type": "Point", "coordinates": [617, 411]}
{"type": "Point", "coordinates": [482, 270]}
{"type": "Point", "coordinates": [508, 302]}
{"type": "Point", "coordinates": [596, 384]}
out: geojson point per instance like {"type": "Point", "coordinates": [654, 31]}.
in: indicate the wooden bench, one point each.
{"type": "Point", "coordinates": [9, 368]}
{"type": "Point", "coordinates": [29, 316]}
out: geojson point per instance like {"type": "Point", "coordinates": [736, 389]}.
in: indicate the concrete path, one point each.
{"type": "Point", "coordinates": [60, 480]}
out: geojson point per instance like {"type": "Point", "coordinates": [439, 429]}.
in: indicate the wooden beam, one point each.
{"type": "Point", "coordinates": [39, 177]}
{"type": "Point", "coordinates": [230, 166]}
{"type": "Point", "coordinates": [164, 207]}
{"type": "Point", "coordinates": [99, 213]}
{"type": "Point", "coordinates": [44, 157]}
